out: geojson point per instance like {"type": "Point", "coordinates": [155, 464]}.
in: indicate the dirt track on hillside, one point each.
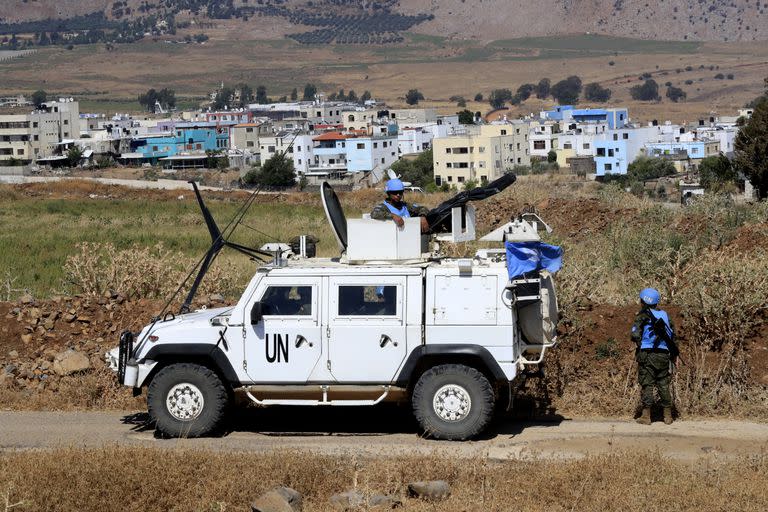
{"type": "Point", "coordinates": [388, 431]}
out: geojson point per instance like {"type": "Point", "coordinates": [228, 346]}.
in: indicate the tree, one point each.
{"type": "Point", "coordinates": [413, 96]}
{"type": "Point", "coordinates": [261, 95]}
{"type": "Point", "coordinates": [39, 97]}
{"type": "Point", "coordinates": [419, 172]}
{"type": "Point", "coordinates": [543, 88]}
{"type": "Point", "coordinates": [648, 91]}
{"type": "Point", "coordinates": [552, 156]}
{"type": "Point", "coordinates": [294, 94]}
{"type": "Point", "coordinates": [499, 97]}
{"type": "Point", "coordinates": [566, 92]}
{"type": "Point", "coordinates": [278, 171]}
{"type": "Point", "coordinates": [223, 98]}
{"type": "Point", "coordinates": [524, 91]}
{"type": "Point", "coordinates": [716, 171]}
{"type": "Point", "coordinates": [74, 155]}
{"type": "Point", "coordinates": [675, 93]}
{"type": "Point", "coordinates": [751, 148]}
{"type": "Point", "coordinates": [366, 96]}
{"type": "Point", "coordinates": [595, 92]}
{"type": "Point", "coordinates": [352, 96]}
{"type": "Point", "coordinates": [309, 92]}
{"type": "Point", "coordinates": [466, 117]}
{"type": "Point", "coordinates": [246, 94]}
{"type": "Point", "coordinates": [479, 96]}
{"type": "Point", "coordinates": [649, 168]}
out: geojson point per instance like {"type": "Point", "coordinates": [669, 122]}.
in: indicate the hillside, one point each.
{"type": "Point", "coordinates": [384, 21]}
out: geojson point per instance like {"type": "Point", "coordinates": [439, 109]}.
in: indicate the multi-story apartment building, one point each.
{"type": "Point", "coordinates": [36, 135]}
{"type": "Point", "coordinates": [245, 136]}
{"type": "Point", "coordinates": [483, 153]}
{"type": "Point", "coordinates": [543, 137]}
{"type": "Point", "coordinates": [298, 146]}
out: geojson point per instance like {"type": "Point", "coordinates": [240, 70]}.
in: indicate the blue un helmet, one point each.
{"type": "Point", "coordinates": [650, 296]}
{"type": "Point", "coordinates": [394, 185]}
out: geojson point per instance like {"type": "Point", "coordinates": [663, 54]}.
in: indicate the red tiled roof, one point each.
{"type": "Point", "coordinates": [331, 136]}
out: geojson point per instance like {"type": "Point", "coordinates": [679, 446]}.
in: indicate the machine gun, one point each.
{"type": "Point", "coordinates": [664, 333]}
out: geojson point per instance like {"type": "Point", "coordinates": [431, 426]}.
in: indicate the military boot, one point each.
{"type": "Point", "coordinates": [645, 417]}
{"type": "Point", "coordinates": [668, 416]}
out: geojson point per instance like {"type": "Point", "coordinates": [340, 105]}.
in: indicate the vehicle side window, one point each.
{"type": "Point", "coordinates": [287, 300]}
{"type": "Point", "coordinates": [367, 300]}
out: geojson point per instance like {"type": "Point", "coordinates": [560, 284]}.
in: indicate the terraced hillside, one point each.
{"type": "Point", "coordinates": [384, 21]}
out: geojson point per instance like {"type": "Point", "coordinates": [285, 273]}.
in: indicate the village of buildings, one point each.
{"type": "Point", "coordinates": [352, 145]}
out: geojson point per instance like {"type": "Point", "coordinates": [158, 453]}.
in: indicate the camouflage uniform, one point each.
{"type": "Point", "coordinates": [653, 365]}
{"type": "Point", "coordinates": [381, 212]}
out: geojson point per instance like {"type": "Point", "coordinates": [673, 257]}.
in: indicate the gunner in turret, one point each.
{"type": "Point", "coordinates": [395, 208]}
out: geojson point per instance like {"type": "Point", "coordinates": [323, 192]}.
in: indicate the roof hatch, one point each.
{"type": "Point", "coordinates": [335, 214]}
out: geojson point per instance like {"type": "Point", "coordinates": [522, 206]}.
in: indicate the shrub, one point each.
{"type": "Point", "coordinates": [675, 94]}
{"type": "Point", "coordinates": [413, 97]}
{"type": "Point", "coordinates": [648, 91]}
{"type": "Point", "coordinates": [499, 97]}
{"type": "Point", "coordinates": [595, 92]}
{"type": "Point", "coordinates": [567, 91]}
{"type": "Point", "coordinates": [479, 96]}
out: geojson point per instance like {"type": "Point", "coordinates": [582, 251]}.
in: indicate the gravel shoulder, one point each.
{"type": "Point", "coordinates": [262, 431]}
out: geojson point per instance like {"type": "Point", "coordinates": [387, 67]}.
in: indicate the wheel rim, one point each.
{"type": "Point", "coordinates": [452, 403]}
{"type": "Point", "coordinates": [185, 401]}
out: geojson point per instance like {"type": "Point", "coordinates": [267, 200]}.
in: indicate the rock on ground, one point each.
{"type": "Point", "coordinates": [281, 499]}
{"type": "Point", "coordinates": [70, 361]}
{"type": "Point", "coordinates": [430, 490]}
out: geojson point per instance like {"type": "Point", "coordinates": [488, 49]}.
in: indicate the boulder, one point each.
{"type": "Point", "coordinates": [69, 362]}
{"type": "Point", "coordinates": [26, 299]}
{"type": "Point", "coordinates": [383, 502]}
{"type": "Point", "coordinates": [35, 313]}
{"type": "Point", "coordinates": [26, 339]}
{"type": "Point", "coordinates": [350, 500]}
{"type": "Point", "coordinates": [281, 499]}
{"type": "Point", "coordinates": [430, 490]}
{"type": "Point", "coordinates": [70, 317]}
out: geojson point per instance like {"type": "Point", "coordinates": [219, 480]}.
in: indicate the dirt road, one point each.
{"type": "Point", "coordinates": [337, 432]}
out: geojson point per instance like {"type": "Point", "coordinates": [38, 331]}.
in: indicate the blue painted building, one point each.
{"type": "Point", "coordinates": [185, 138]}
{"type": "Point", "coordinates": [611, 157]}
{"type": "Point", "coordinates": [615, 117]}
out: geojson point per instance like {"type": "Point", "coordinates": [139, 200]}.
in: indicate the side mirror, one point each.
{"type": "Point", "coordinates": [256, 314]}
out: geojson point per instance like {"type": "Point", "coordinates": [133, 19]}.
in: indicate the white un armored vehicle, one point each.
{"type": "Point", "coordinates": [388, 320]}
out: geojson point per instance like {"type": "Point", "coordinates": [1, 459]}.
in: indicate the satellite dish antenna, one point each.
{"type": "Point", "coordinates": [392, 175]}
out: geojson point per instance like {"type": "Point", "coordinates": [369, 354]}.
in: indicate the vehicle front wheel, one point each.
{"type": "Point", "coordinates": [453, 401]}
{"type": "Point", "coordinates": [187, 400]}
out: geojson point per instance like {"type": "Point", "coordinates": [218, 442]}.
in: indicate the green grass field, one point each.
{"type": "Point", "coordinates": [39, 234]}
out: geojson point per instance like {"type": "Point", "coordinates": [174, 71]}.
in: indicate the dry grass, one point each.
{"type": "Point", "coordinates": [114, 478]}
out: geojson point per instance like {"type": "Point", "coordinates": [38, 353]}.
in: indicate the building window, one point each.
{"type": "Point", "coordinates": [586, 145]}
{"type": "Point", "coordinates": [382, 160]}
{"type": "Point", "coordinates": [360, 145]}
{"type": "Point", "coordinates": [375, 145]}
{"type": "Point", "coordinates": [608, 167]}
{"type": "Point", "coordinates": [567, 145]}
{"type": "Point", "coordinates": [461, 179]}
{"type": "Point", "coordinates": [66, 121]}
{"type": "Point", "coordinates": [35, 137]}
{"type": "Point", "coordinates": [481, 149]}
{"type": "Point", "coordinates": [19, 151]}
{"type": "Point", "coordinates": [615, 136]}
{"type": "Point", "coordinates": [249, 144]}
{"type": "Point", "coordinates": [198, 146]}
{"type": "Point", "coordinates": [450, 179]}
{"type": "Point", "coordinates": [600, 151]}
{"type": "Point", "coordinates": [34, 124]}
{"type": "Point", "coordinates": [625, 136]}
{"type": "Point", "coordinates": [447, 150]}
{"type": "Point", "coordinates": [270, 149]}
{"type": "Point", "coordinates": [503, 132]}
{"type": "Point", "coordinates": [154, 148]}
{"type": "Point", "coordinates": [438, 180]}
{"type": "Point", "coordinates": [249, 130]}
{"type": "Point", "coordinates": [539, 144]}
{"type": "Point", "coordinates": [519, 160]}
{"type": "Point", "coordinates": [610, 152]}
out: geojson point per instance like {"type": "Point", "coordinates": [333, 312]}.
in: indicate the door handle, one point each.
{"type": "Point", "coordinates": [386, 339]}
{"type": "Point", "coordinates": [300, 340]}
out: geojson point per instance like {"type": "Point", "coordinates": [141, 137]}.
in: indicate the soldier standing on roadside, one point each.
{"type": "Point", "coordinates": [656, 350]}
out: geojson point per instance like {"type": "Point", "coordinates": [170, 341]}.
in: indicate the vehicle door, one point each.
{"type": "Point", "coordinates": [285, 344]}
{"type": "Point", "coordinates": [367, 334]}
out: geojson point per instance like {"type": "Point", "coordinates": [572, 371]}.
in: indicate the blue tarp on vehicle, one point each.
{"type": "Point", "coordinates": [526, 257]}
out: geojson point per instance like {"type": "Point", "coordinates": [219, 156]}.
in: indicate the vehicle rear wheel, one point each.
{"type": "Point", "coordinates": [187, 400]}
{"type": "Point", "coordinates": [453, 401]}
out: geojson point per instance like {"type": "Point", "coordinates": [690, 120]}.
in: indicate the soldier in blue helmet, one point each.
{"type": "Point", "coordinates": [395, 208]}
{"type": "Point", "coordinates": [653, 335]}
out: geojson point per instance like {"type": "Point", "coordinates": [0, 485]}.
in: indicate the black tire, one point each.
{"type": "Point", "coordinates": [468, 424]}
{"type": "Point", "coordinates": [193, 381]}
